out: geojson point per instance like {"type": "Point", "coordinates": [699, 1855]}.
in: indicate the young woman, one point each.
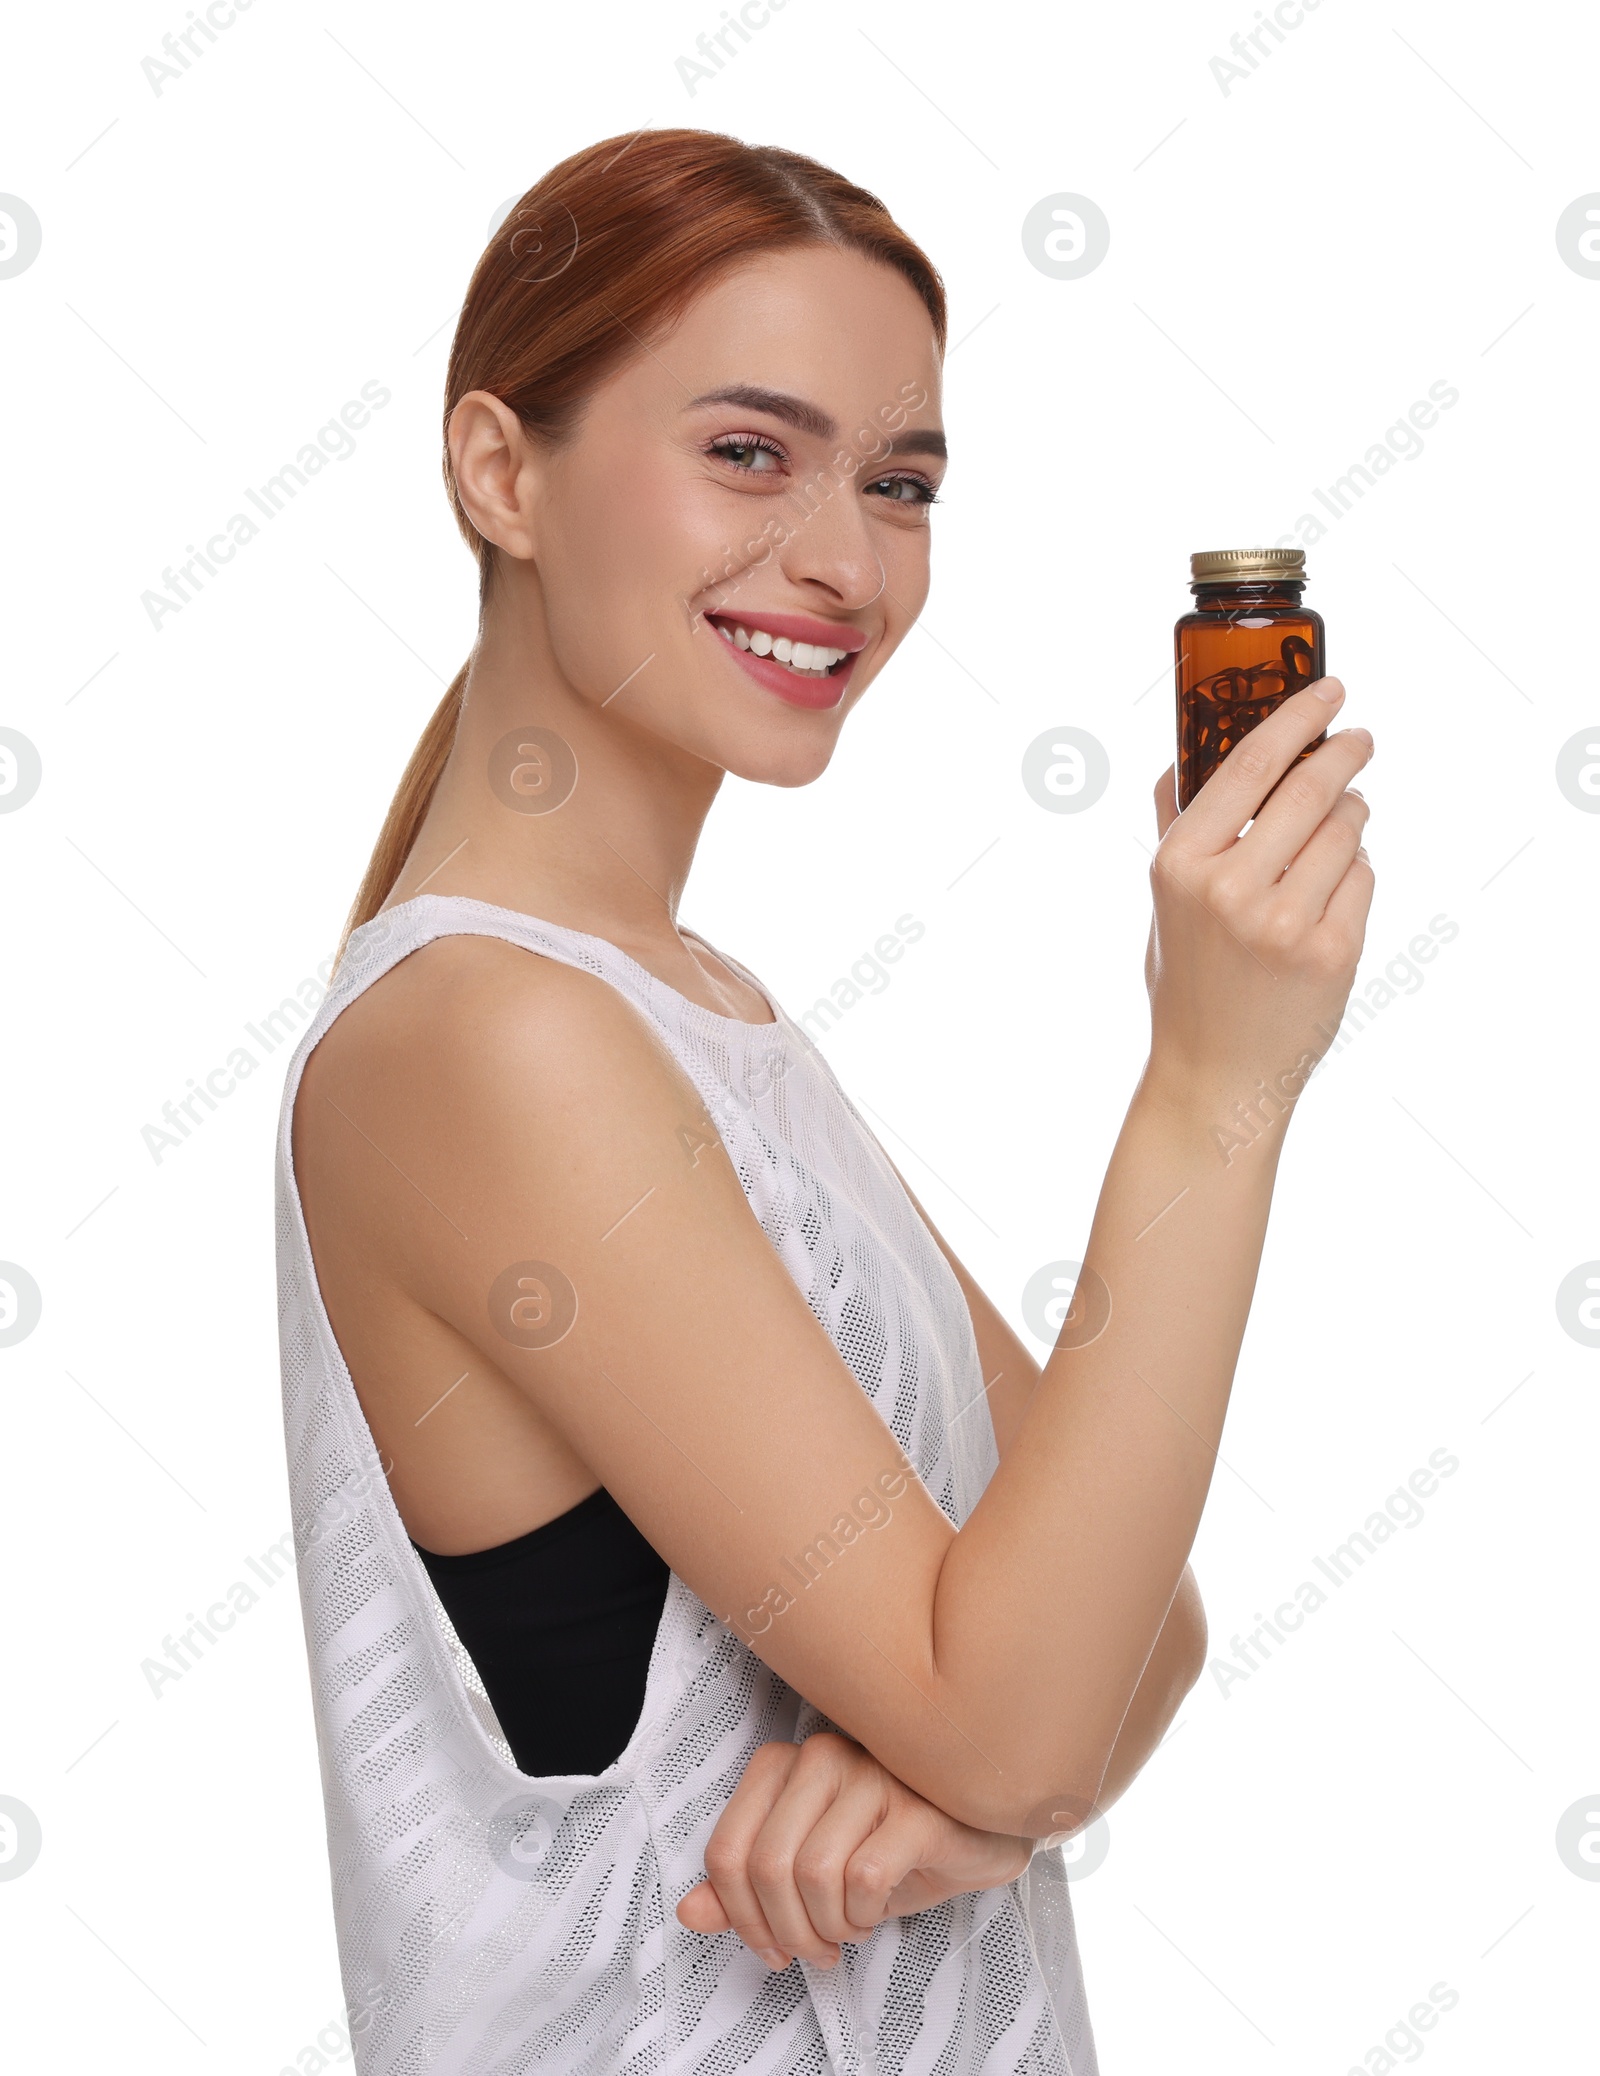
{"type": "Point", "coordinates": [716, 1616]}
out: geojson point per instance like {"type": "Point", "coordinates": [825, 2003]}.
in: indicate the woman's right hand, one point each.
{"type": "Point", "coordinates": [1255, 938]}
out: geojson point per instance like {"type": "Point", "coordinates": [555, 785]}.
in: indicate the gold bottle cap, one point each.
{"type": "Point", "coordinates": [1248, 566]}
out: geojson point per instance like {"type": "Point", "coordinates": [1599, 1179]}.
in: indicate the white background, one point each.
{"type": "Point", "coordinates": [1293, 262]}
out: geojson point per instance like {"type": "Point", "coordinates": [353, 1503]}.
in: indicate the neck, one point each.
{"type": "Point", "coordinates": [613, 856]}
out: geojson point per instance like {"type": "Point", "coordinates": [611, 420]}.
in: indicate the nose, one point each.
{"type": "Point", "coordinates": [829, 549]}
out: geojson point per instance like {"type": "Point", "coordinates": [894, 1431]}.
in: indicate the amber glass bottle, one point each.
{"type": "Point", "coordinates": [1247, 645]}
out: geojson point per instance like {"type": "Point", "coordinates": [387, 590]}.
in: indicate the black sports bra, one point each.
{"type": "Point", "coordinates": [560, 1624]}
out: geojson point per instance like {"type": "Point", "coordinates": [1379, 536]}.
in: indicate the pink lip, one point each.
{"type": "Point", "coordinates": [817, 694]}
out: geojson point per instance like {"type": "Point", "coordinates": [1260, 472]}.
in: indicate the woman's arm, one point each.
{"type": "Point", "coordinates": [1011, 1375]}
{"type": "Point", "coordinates": [819, 1842]}
{"type": "Point", "coordinates": [543, 1130]}
{"type": "Point", "coordinates": [1175, 1663]}
{"type": "Point", "coordinates": [1104, 1474]}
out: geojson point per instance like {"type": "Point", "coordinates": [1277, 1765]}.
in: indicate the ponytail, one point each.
{"type": "Point", "coordinates": [407, 809]}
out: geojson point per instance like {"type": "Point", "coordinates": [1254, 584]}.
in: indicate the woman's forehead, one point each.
{"type": "Point", "coordinates": [838, 332]}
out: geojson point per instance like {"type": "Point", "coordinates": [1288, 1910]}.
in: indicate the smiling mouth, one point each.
{"type": "Point", "coordinates": [800, 659]}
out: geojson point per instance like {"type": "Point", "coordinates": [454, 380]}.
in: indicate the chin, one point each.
{"type": "Point", "coordinates": [779, 747]}
{"type": "Point", "coordinates": [788, 764]}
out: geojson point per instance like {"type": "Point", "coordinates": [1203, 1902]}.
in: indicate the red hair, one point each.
{"type": "Point", "coordinates": [605, 251]}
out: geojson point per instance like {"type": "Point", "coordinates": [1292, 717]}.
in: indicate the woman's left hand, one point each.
{"type": "Point", "coordinates": [819, 1843]}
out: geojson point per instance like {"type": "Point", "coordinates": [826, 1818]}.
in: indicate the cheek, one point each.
{"type": "Point", "coordinates": [616, 566]}
{"type": "Point", "coordinates": [630, 554]}
{"type": "Point", "coordinates": [907, 567]}
{"type": "Point", "coordinates": [643, 548]}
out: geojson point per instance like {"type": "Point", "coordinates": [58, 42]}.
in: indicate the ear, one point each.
{"type": "Point", "coordinates": [497, 470]}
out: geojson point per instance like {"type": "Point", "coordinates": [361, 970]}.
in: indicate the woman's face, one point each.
{"type": "Point", "coordinates": [735, 540]}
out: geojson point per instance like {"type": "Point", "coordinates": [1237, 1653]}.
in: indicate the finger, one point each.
{"type": "Point", "coordinates": [1346, 913]}
{"type": "Point", "coordinates": [880, 1863]}
{"type": "Point", "coordinates": [1299, 805]}
{"type": "Point", "coordinates": [1254, 766]}
{"type": "Point", "coordinates": [1325, 858]}
{"type": "Point", "coordinates": [729, 1846]}
{"type": "Point", "coordinates": [1166, 801]}
{"type": "Point", "coordinates": [808, 1795]}
{"type": "Point", "coordinates": [855, 1818]}
{"type": "Point", "coordinates": [701, 1910]}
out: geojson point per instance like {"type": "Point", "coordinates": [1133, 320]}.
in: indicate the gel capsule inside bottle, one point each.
{"type": "Point", "coordinates": [1248, 645]}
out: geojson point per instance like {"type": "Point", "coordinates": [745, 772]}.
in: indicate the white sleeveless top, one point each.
{"type": "Point", "coordinates": [494, 1923]}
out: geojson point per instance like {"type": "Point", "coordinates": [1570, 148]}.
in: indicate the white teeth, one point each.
{"type": "Point", "coordinates": [809, 657]}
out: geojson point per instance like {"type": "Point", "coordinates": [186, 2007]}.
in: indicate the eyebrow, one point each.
{"type": "Point", "coordinates": [807, 418]}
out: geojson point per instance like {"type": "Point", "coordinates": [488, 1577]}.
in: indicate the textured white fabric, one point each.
{"type": "Point", "coordinates": [490, 1922]}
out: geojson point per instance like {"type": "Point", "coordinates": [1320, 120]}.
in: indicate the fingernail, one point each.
{"type": "Point", "coordinates": [1329, 689]}
{"type": "Point", "coordinates": [1355, 793]}
{"type": "Point", "coordinates": [772, 1957]}
{"type": "Point", "coordinates": [1363, 735]}
{"type": "Point", "coordinates": [1361, 853]}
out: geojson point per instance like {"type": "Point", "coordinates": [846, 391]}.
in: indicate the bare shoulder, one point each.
{"type": "Point", "coordinates": [474, 1068]}
{"type": "Point", "coordinates": [466, 1022]}
{"type": "Point", "coordinates": [457, 1002]}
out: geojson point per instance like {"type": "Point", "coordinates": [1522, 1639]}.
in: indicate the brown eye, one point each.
{"type": "Point", "coordinates": [749, 454]}
{"type": "Point", "coordinates": [907, 490]}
